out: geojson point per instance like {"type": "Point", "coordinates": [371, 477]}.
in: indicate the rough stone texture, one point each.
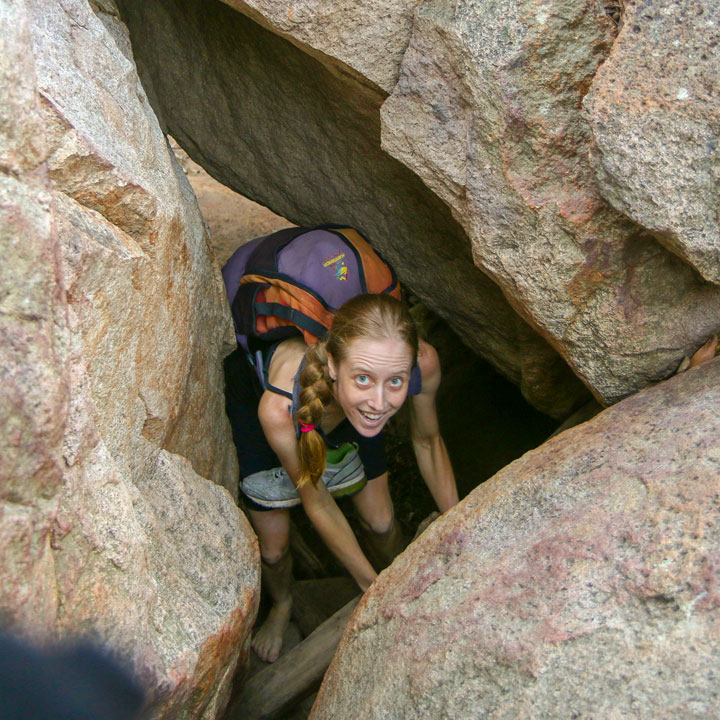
{"type": "Point", "coordinates": [655, 118]}
{"type": "Point", "coordinates": [487, 111]}
{"type": "Point", "coordinates": [580, 581]}
{"type": "Point", "coordinates": [364, 37]}
{"type": "Point", "coordinates": [292, 133]}
{"type": "Point", "coordinates": [113, 323]}
{"type": "Point", "coordinates": [232, 219]}
{"type": "Point", "coordinates": [34, 382]}
{"type": "Point", "coordinates": [175, 587]}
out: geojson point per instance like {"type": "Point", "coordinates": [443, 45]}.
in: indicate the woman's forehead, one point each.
{"type": "Point", "coordinates": [385, 352]}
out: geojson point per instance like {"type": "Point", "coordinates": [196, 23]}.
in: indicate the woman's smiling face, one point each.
{"type": "Point", "coordinates": [371, 382]}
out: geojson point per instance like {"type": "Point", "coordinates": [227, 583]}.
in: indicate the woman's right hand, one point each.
{"type": "Point", "coordinates": [319, 504]}
{"type": "Point", "coordinates": [333, 527]}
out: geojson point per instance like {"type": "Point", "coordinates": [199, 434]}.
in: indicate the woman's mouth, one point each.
{"type": "Point", "coordinates": [371, 417]}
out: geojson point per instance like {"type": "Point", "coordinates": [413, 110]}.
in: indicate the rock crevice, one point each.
{"type": "Point", "coordinates": [297, 137]}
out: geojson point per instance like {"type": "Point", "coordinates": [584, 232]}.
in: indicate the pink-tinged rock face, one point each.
{"type": "Point", "coordinates": [653, 110]}
{"type": "Point", "coordinates": [34, 402]}
{"type": "Point", "coordinates": [113, 438]}
{"type": "Point", "coordinates": [584, 576]}
{"type": "Point", "coordinates": [488, 112]}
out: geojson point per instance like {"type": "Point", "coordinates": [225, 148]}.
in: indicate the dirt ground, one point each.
{"type": "Point", "coordinates": [232, 218]}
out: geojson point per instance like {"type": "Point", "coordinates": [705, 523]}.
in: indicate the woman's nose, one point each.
{"type": "Point", "coordinates": [377, 397]}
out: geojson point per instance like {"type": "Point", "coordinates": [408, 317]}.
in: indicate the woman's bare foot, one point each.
{"type": "Point", "coordinates": [269, 638]}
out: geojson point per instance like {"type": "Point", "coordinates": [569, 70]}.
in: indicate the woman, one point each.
{"type": "Point", "coordinates": [344, 388]}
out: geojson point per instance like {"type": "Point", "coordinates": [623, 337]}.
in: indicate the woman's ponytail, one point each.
{"type": "Point", "coordinates": [315, 395]}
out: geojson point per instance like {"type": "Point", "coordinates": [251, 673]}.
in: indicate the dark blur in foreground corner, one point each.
{"type": "Point", "coordinates": [68, 682]}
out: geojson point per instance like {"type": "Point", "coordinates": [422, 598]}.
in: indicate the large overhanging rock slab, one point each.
{"type": "Point", "coordinates": [654, 110]}
{"type": "Point", "coordinates": [488, 112]}
{"type": "Point", "coordinates": [368, 37]}
{"type": "Point", "coordinates": [113, 322]}
{"type": "Point", "coordinates": [580, 581]}
{"type": "Point", "coordinates": [293, 133]}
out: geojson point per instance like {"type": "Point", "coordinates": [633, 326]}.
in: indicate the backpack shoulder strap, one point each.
{"type": "Point", "coordinates": [303, 321]}
{"type": "Point", "coordinates": [260, 360]}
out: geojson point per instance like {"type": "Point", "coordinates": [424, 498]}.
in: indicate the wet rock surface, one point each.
{"type": "Point", "coordinates": [114, 443]}
{"type": "Point", "coordinates": [581, 580]}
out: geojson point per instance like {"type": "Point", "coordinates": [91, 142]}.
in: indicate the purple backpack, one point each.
{"type": "Point", "coordinates": [292, 281]}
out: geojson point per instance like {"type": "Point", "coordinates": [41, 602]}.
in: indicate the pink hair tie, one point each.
{"type": "Point", "coordinates": [304, 427]}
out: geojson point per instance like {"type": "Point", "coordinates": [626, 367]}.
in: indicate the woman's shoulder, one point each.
{"type": "Point", "coordinates": [274, 413]}
{"type": "Point", "coordinates": [285, 362]}
{"type": "Point", "coordinates": [429, 364]}
{"type": "Point", "coordinates": [274, 410]}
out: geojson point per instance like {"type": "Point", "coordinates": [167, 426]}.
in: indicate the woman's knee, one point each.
{"type": "Point", "coordinates": [380, 522]}
{"type": "Point", "coordinates": [374, 505]}
{"type": "Point", "coordinates": [273, 531]}
{"type": "Point", "coordinates": [271, 555]}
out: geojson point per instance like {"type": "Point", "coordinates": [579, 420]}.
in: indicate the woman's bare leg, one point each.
{"type": "Point", "coordinates": [382, 537]}
{"type": "Point", "coordinates": [273, 531]}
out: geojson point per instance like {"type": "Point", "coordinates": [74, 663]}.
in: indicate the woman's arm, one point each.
{"type": "Point", "coordinates": [319, 504]}
{"type": "Point", "coordinates": [430, 452]}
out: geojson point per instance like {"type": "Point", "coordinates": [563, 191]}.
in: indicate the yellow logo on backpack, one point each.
{"type": "Point", "coordinates": [338, 266]}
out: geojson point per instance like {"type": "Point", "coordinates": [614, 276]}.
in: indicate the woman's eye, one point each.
{"type": "Point", "coordinates": [362, 379]}
{"type": "Point", "coordinates": [396, 382]}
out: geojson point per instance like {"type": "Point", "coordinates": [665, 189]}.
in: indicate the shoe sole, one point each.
{"type": "Point", "coordinates": [347, 487]}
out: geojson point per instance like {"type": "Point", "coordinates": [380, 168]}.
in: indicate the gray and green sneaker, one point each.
{"type": "Point", "coordinates": [344, 475]}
